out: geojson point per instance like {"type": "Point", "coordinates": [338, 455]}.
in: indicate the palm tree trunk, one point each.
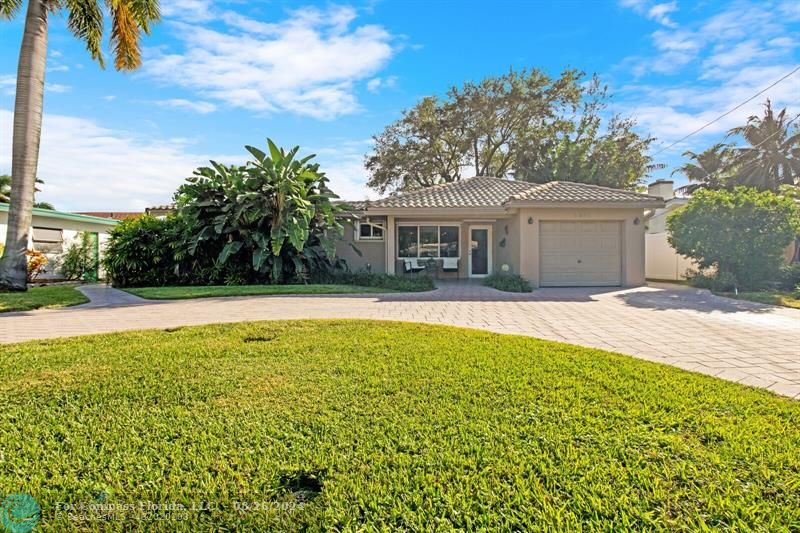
{"type": "Point", "coordinates": [25, 145]}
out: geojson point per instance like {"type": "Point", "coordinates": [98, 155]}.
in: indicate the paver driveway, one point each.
{"type": "Point", "coordinates": [739, 341]}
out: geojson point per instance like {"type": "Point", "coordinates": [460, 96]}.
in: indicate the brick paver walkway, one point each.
{"type": "Point", "coordinates": [745, 342]}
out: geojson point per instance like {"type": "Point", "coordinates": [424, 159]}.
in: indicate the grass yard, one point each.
{"type": "Point", "coordinates": [348, 425]}
{"type": "Point", "coordinates": [182, 293]}
{"type": "Point", "coordinates": [41, 297]}
{"type": "Point", "coordinates": [785, 299]}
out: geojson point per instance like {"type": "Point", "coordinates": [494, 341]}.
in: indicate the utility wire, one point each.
{"type": "Point", "coordinates": [768, 137]}
{"type": "Point", "coordinates": [698, 130]}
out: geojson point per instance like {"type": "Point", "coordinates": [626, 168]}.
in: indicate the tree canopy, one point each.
{"type": "Point", "coordinates": [524, 122]}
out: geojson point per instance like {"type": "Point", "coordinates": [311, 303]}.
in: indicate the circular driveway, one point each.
{"type": "Point", "coordinates": [746, 342]}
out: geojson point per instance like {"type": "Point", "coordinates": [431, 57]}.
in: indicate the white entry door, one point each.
{"type": "Point", "coordinates": [580, 254]}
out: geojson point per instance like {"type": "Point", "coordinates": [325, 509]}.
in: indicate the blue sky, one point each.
{"type": "Point", "coordinates": [328, 76]}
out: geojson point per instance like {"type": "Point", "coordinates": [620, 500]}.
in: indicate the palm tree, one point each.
{"type": "Point", "coordinates": [710, 169]}
{"type": "Point", "coordinates": [5, 189]}
{"type": "Point", "coordinates": [773, 157]}
{"type": "Point", "coordinates": [129, 18]}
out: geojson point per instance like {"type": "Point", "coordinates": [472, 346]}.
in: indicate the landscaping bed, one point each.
{"type": "Point", "coordinates": [324, 425]}
{"type": "Point", "coordinates": [179, 293]}
{"type": "Point", "coordinates": [48, 296]}
{"type": "Point", "coordinates": [773, 297]}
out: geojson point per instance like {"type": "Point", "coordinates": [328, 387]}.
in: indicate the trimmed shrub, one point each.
{"type": "Point", "coordinates": [417, 283]}
{"type": "Point", "coordinates": [508, 282]}
{"type": "Point", "coordinates": [723, 282]}
{"type": "Point", "coordinates": [141, 253]}
{"type": "Point", "coordinates": [739, 234]}
{"type": "Point", "coordinates": [789, 276]}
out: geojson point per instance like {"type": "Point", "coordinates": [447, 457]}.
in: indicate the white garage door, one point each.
{"type": "Point", "coordinates": [580, 254]}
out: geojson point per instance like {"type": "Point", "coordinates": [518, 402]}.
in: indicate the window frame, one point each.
{"type": "Point", "coordinates": [438, 226]}
{"type": "Point", "coordinates": [50, 246]}
{"type": "Point", "coordinates": [367, 222]}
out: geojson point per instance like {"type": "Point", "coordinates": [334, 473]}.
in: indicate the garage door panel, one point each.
{"type": "Point", "coordinates": [580, 253]}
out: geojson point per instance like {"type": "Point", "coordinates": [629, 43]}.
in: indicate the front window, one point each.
{"type": "Point", "coordinates": [427, 241]}
{"type": "Point", "coordinates": [48, 240]}
{"type": "Point", "coordinates": [370, 231]}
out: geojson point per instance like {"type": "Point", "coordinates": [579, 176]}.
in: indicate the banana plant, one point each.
{"type": "Point", "coordinates": [275, 212]}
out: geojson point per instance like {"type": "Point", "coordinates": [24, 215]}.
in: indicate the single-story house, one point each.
{"type": "Point", "coordinates": [52, 232]}
{"type": "Point", "coordinates": [554, 234]}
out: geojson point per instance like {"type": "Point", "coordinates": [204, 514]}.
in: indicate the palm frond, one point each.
{"type": "Point", "coordinates": [124, 36]}
{"type": "Point", "coordinates": [85, 21]}
{"type": "Point", "coordinates": [9, 8]}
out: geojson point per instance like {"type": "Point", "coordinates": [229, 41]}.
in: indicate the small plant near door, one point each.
{"type": "Point", "coordinates": [508, 282]}
{"type": "Point", "coordinates": [80, 259]}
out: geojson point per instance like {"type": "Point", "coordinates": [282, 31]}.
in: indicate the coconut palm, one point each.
{"type": "Point", "coordinates": [5, 189]}
{"type": "Point", "coordinates": [710, 169]}
{"type": "Point", "coordinates": [129, 19]}
{"type": "Point", "coordinates": [773, 157]}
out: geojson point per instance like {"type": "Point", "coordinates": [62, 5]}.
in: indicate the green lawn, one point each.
{"type": "Point", "coordinates": [385, 426]}
{"type": "Point", "coordinates": [39, 297]}
{"type": "Point", "coordinates": [786, 299]}
{"type": "Point", "coordinates": [180, 293]}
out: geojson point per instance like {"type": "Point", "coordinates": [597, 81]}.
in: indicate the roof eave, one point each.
{"type": "Point", "coordinates": [639, 204]}
{"type": "Point", "coordinates": [50, 213]}
{"type": "Point", "coordinates": [437, 211]}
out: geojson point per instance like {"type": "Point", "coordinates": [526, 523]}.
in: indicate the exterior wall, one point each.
{"type": "Point", "coordinates": [662, 261]}
{"type": "Point", "coordinates": [373, 253]}
{"type": "Point", "coordinates": [633, 242]}
{"type": "Point", "coordinates": [70, 230]}
{"type": "Point", "coordinates": [506, 244]}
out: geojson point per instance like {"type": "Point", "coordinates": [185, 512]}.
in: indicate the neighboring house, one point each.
{"type": "Point", "coordinates": [662, 261]}
{"type": "Point", "coordinates": [553, 234]}
{"type": "Point", "coordinates": [116, 215]}
{"type": "Point", "coordinates": [53, 232]}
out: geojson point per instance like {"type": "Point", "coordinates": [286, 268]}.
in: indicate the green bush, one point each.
{"type": "Point", "coordinates": [508, 282]}
{"type": "Point", "coordinates": [789, 276]}
{"type": "Point", "coordinates": [740, 234]}
{"type": "Point", "coordinates": [79, 261]}
{"type": "Point", "coordinates": [141, 252]}
{"type": "Point", "coordinates": [417, 283]}
{"type": "Point", "coordinates": [723, 282]}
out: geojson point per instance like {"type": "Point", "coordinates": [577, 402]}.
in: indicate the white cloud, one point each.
{"type": "Point", "coordinates": [197, 106]}
{"type": "Point", "coordinates": [376, 84]}
{"type": "Point", "coordinates": [653, 11]}
{"type": "Point", "coordinates": [730, 56]}
{"type": "Point", "coordinates": [660, 13]}
{"type": "Point", "coordinates": [306, 64]}
{"type": "Point", "coordinates": [57, 88]}
{"type": "Point", "coordinates": [188, 10]}
{"type": "Point", "coordinates": [58, 68]}
{"type": "Point", "coordinates": [110, 97]}
{"type": "Point", "coordinates": [109, 169]}
{"type": "Point", "coordinates": [86, 166]}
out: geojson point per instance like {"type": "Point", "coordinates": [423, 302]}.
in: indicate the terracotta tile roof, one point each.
{"type": "Point", "coordinates": [473, 192]}
{"type": "Point", "coordinates": [116, 215]}
{"type": "Point", "coordinates": [571, 192]}
{"type": "Point", "coordinates": [485, 192]}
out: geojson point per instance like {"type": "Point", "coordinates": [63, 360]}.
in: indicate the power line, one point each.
{"type": "Point", "coordinates": [759, 93]}
{"type": "Point", "coordinates": [765, 139]}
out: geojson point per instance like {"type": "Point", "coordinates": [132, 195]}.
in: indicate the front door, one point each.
{"type": "Point", "coordinates": [480, 251]}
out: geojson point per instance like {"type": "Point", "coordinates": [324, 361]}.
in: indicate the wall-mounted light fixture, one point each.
{"type": "Point", "coordinates": [530, 220]}
{"type": "Point", "coordinates": [636, 221]}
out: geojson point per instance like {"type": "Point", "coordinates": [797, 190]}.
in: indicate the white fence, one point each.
{"type": "Point", "coordinates": [662, 261]}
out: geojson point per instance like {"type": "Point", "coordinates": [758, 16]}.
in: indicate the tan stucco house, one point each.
{"type": "Point", "coordinates": [553, 234]}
